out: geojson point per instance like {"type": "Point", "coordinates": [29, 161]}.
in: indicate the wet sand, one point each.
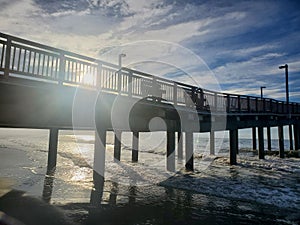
{"type": "Point", "coordinates": [254, 191]}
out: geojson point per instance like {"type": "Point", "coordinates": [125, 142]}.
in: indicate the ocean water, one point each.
{"type": "Point", "coordinates": [255, 191]}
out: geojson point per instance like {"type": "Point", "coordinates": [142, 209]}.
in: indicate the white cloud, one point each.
{"type": "Point", "coordinates": [89, 30]}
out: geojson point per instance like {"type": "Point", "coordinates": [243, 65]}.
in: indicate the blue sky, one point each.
{"type": "Point", "coordinates": [240, 44]}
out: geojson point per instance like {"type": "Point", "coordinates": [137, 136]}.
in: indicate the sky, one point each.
{"type": "Point", "coordinates": [228, 46]}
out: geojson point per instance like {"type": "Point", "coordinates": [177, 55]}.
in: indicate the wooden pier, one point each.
{"type": "Point", "coordinates": [39, 85]}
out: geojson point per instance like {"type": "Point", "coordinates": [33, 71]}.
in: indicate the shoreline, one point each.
{"type": "Point", "coordinates": [253, 191]}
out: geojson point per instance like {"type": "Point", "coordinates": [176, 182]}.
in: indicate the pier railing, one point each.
{"type": "Point", "coordinates": [30, 60]}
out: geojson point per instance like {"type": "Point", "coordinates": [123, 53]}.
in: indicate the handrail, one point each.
{"type": "Point", "coordinates": [30, 60]}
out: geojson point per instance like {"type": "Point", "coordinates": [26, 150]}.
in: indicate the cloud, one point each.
{"type": "Point", "coordinates": [242, 42]}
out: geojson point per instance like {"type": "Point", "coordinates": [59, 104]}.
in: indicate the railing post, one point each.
{"type": "Point", "coordinates": [248, 104]}
{"type": "Point", "coordinates": [99, 69]}
{"type": "Point", "coordinates": [239, 103]}
{"type": "Point", "coordinates": [264, 104]}
{"type": "Point", "coordinates": [62, 67]}
{"type": "Point", "coordinates": [271, 105]}
{"type": "Point", "coordinates": [256, 104]}
{"type": "Point", "coordinates": [7, 57]}
{"type": "Point", "coordinates": [228, 103]}
{"type": "Point", "coordinates": [130, 84]}
{"type": "Point", "coordinates": [216, 102]}
{"type": "Point", "coordinates": [119, 86]}
{"type": "Point", "coordinates": [175, 94]}
{"type": "Point", "coordinates": [154, 85]}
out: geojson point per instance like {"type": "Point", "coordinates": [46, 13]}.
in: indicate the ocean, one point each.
{"type": "Point", "coordinates": [254, 191]}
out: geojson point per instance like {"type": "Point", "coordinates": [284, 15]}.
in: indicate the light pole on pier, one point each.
{"type": "Point", "coordinates": [286, 82]}
{"type": "Point", "coordinates": [120, 59]}
{"type": "Point", "coordinates": [288, 101]}
{"type": "Point", "coordinates": [261, 92]}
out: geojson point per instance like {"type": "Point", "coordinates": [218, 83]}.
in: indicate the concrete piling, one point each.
{"type": "Point", "coordinates": [99, 154]}
{"type": "Point", "coordinates": [52, 152]}
{"type": "Point", "coordinates": [269, 138]}
{"type": "Point", "coordinates": [189, 151]}
{"type": "Point", "coordinates": [254, 145]}
{"type": "Point", "coordinates": [233, 146]}
{"type": "Point", "coordinates": [212, 142]}
{"type": "Point", "coordinates": [117, 145]}
{"type": "Point", "coordinates": [281, 141]}
{"type": "Point", "coordinates": [180, 145]}
{"type": "Point", "coordinates": [261, 147]}
{"type": "Point", "coordinates": [135, 146]}
{"type": "Point", "coordinates": [171, 151]}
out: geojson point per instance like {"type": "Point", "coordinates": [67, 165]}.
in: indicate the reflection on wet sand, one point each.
{"type": "Point", "coordinates": [157, 205]}
{"type": "Point", "coordinates": [112, 203]}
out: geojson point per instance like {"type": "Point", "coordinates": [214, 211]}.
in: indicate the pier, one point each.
{"type": "Point", "coordinates": [48, 88]}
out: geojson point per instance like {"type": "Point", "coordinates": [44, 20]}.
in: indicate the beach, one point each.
{"type": "Point", "coordinates": [253, 191]}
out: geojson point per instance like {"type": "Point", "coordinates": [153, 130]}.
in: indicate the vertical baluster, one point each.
{"type": "Point", "coordinates": [109, 78]}
{"type": "Point", "coordinates": [62, 68]}
{"type": "Point", "coordinates": [7, 57]}
{"type": "Point", "coordinates": [73, 72]}
{"type": "Point", "coordinates": [56, 68]}
{"type": "Point", "coordinates": [19, 59]}
{"type": "Point", "coordinates": [39, 64]}
{"type": "Point", "coordinates": [43, 64]}
{"type": "Point", "coordinates": [24, 60]}
{"type": "Point", "coordinates": [80, 73]}
{"type": "Point", "coordinates": [52, 66]}
{"type": "Point", "coordinates": [2, 55]}
{"type": "Point", "coordinates": [95, 75]}
{"type": "Point", "coordinates": [48, 63]}
{"type": "Point", "coordinates": [13, 59]}
{"type": "Point", "coordinates": [76, 72]}
{"type": "Point", "coordinates": [68, 70]}
{"type": "Point", "coordinates": [33, 66]}
{"type": "Point", "coordinates": [29, 61]}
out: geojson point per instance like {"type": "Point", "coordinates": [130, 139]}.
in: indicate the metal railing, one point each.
{"type": "Point", "coordinates": [29, 60]}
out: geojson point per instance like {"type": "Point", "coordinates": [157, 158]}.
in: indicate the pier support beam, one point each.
{"type": "Point", "coordinates": [189, 151]}
{"type": "Point", "coordinates": [52, 152]}
{"type": "Point", "coordinates": [99, 158]}
{"type": "Point", "coordinates": [269, 138]}
{"type": "Point", "coordinates": [254, 138]}
{"type": "Point", "coordinates": [261, 147]}
{"type": "Point", "coordinates": [212, 142]}
{"type": "Point", "coordinates": [171, 151]}
{"type": "Point", "coordinates": [233, 146]}
{"type": "Point", "coordinates": [135, 146]}
{"type": "Point", "coordinates": [97, 190]}
{"type": "Point", "coordinates": [281, 141]}
{"type": "Point", "coordinates": [297, 136]}
{"type": "Point", "coordinates": [291, 137]}
{"type": "Point", "coordinates": [180, 145]}
{"type": "Point", "coordinates": [117, 145]}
